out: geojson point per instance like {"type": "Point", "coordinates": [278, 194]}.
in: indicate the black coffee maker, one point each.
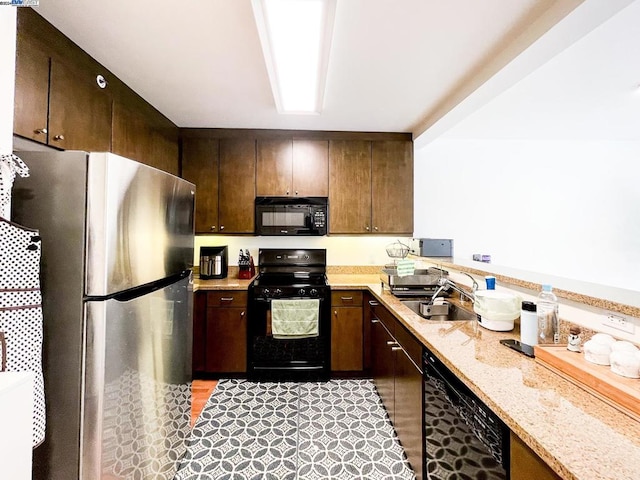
{"type": "Point", "coordinates": [213, 262]}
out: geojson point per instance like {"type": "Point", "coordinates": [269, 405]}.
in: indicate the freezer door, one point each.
{"type": "Point", "coordinates": [139, 224]}
{"type": "Point", "coordinates": [137, 385]}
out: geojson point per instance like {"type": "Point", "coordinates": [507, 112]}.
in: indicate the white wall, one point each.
{"type": "Point", "coordinates": [567, 208]}
{"type": "Point", "coordinates": [7, 75]}
{"type": "Point", "coordinates": [356, 250]}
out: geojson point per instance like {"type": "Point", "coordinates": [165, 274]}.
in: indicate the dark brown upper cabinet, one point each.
{"type": "Point", "coordinates": [292, 167]}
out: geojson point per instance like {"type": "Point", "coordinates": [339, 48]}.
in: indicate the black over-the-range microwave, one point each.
{"type": "Point", "coordinates": [292, 215]}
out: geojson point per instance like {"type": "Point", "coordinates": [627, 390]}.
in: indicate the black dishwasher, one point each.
{"type": "Point", "coordinates": [464, 438]}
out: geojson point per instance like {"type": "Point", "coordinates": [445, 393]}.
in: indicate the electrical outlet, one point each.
{"type": "Point", "coordinates": [619, 323]}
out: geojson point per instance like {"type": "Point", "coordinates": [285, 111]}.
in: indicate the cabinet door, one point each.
{"type": "Point", "coordinates": [32, 91]}
{"type": "Point", "coordinates": [79, 110]}
{"type": "Point", "coordinates": [408, 409]}
{"type": "Point", "coordinates": [226, 340]}
{"type": "Point", "coordinates": [130, 133]}
{"type": "Point", "coordinates": [346, 339]}
{"type": "Point", "coordinates": [526, 464]}
{"type": "Point", "coordinates": [274, 167]}
{"type": "Point", "coordinates": [200, 166]}
{"type": "Point", "coordinates": [382, 368]}
{"type": "Point", "coordinates": [392, 187]}
{"type": "Point", "coordinates": [349, 186]}
{"type": "Point", "coordinates": [236, 187]}
{"type": "Point", "coordinates": [310, 168]}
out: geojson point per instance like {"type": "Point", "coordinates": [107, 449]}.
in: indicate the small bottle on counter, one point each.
{"type": "Point", "coordinates": [548, 326]}
{"type": "Point", "coordinates": [529, 324]}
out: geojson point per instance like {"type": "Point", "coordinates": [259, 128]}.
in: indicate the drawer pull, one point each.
{"type": "Point", "coordinates": [226, 299]}
{"type": "Point", "coordinates": [375, 320]}
{"type": "Point", "coordinates": [242, 314]}
{"type": "Point", "coordinates": [373, 303]}
{"type": "Point", "coordinates": [392, 343]}
{"type": "Point", "coordinates": [346, 299]}
{"type": "Point", "coordinates": [395, 349]}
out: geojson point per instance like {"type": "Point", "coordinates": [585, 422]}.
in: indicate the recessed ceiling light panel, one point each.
{"type": "Point", "coordinates": [296, 40]}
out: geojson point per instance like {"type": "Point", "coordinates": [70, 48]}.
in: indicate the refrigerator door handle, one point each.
{"type": "Point", "coordinates": [142, 290]}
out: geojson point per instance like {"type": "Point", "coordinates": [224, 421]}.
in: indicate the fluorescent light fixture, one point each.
{"type": "Point", "coordinates": [296, 39]}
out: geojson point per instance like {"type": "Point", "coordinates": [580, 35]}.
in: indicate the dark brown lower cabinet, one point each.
{"type": "Point", "coordinates": [395, 367]}
{"type": "Point", "coordinates": [525, 464]}
{"type": "Point", "coordinates": [225, 338]}
{"type": "Point", "coordinates": [347, 331]}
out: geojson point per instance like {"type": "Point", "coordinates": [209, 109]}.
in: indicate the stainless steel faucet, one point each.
{"type": "Point", "coordinates": [445, 284]}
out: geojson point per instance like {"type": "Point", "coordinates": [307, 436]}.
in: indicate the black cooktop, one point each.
{"type": "Point", "coordinates": [290, 279]}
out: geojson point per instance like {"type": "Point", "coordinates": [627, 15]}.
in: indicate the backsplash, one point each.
{"type": "Point", "coordinates": [341, 250]}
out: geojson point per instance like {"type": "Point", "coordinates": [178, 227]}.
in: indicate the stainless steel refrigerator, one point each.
{"type": "Point", "coordinates": [117, 247]}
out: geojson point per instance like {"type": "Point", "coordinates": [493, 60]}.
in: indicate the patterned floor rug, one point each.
{"type": "Point", "coordinates": [294, 431]}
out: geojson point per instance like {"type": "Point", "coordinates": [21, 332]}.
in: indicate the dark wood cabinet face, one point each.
{"type": "Point", "coordinates": [310, 168]}
{"type": "Point", "coordinates": [392, 187]}
{"type": "Point", "coordinates": [287, 167]}
{"type": "Point", "coordinates": [236, 188]}
{"type": "Point", "coordinates": [60, 101]}
{"type": "Point", "coordinates": [350, 186]}
{"type": "Point", "coordinates": [79, 110]}
{"type": "Point", "coordinates": [274, 167]}
{"type": "Point", "coordinates": [31, 91]}
{"type": "Point", "coordinates": [347, 342]}
{"type": "Point", "coordinates": [200, 167]}
{"type": "Point", "coordinates": [382, 368]}
{"type": "Point", "coordinates": [225, 338]}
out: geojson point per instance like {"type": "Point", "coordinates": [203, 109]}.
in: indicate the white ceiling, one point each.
{"type": "Point", "coordinates": [395, 65]}
{"type": "Point", "coordinates": [588, 92]}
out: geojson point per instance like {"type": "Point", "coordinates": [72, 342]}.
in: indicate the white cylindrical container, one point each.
{"type": "Point", "coordinates": [529, 324]}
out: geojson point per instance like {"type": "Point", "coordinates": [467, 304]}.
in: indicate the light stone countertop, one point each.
{"type": "Point", "coordinates": [578, 435]}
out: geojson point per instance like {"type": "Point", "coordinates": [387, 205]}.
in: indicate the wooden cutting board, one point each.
{"type": "Point", "coordinates": [620, 392]}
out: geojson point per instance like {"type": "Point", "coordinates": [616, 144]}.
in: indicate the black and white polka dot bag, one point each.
{"type": "Point", "coordinates": [21, 311]}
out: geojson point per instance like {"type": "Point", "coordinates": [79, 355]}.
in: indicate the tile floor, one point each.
{"type": "Point", "coordinates": [294, 431]}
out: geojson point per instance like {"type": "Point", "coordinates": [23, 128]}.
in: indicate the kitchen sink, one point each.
{"type": "Point", "coordinates": [440, 311]}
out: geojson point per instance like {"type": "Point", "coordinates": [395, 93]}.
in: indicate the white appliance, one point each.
{"type": "Point", "coordinates": [117, 247]}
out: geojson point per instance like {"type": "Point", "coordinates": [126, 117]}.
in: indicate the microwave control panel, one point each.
{"type": "Point", "coordinates": [319, 219]}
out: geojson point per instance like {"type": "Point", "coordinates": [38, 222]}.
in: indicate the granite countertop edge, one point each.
{"type": "Point", "coordinates": [578, 435]}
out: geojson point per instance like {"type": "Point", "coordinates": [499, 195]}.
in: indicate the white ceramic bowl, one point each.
{"type": "Point", "coordinates": [596, 352]}
{"type": "Point", "coordinates": [625, 363]}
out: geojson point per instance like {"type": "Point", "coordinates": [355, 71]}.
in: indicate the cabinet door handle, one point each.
{"type": "Point", "coordinates": [296, 192]}
{"type": "Point", "coordinates": [287, 192]}
{"type": "Point", "coordinates": [375, 228]}
{"type": "Point", "coordinates": [392, 343]}
{"type": "Point", "coordinates": [221, 227]}
{"type": "Point", "coordinates": [39, 131]}
{"type": "Point", "coordinates": [395, 349]}
{"type": "Point", "coordinates": [213, 227]}
{"type": "Point", "coordinates": [373, 303]}
{"type": "Point", "coordinates": [375, 320]}
{"type": "Point", "coordinates": [242, 314]}
{"type": "Point", "coordinates": [367, 228]}
{"type": "Point", "coordinates": [58, 137]}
